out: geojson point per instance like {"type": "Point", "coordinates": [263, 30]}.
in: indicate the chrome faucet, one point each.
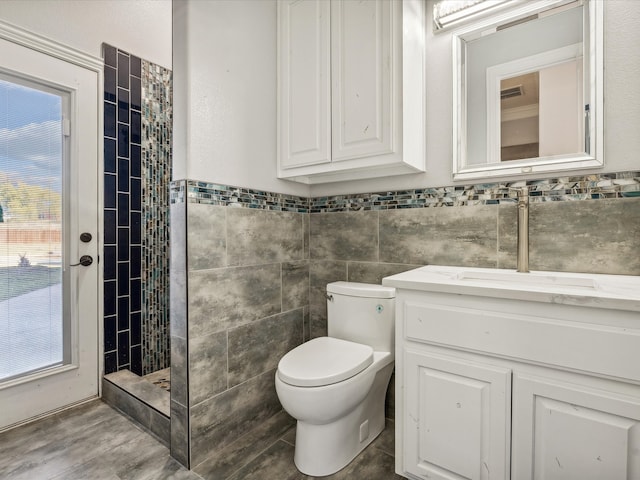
{"type": "Point", "coordinates": [522, 264]}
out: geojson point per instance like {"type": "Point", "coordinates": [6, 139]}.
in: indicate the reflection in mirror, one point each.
{"type": "Point", "coordinates": [519, 117]}
{"type": "Point", "coordinates": [528, 87]}
{"type": "Point", "coordinates": [541, 112]}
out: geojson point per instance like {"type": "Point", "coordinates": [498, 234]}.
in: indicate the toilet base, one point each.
{"type": "Point", "coordinates": [324, 449]}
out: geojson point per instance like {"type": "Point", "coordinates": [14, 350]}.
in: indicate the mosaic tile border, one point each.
{"type": "Point", "coordinates": [574, 188]}
{"type": "Point", "coordinates": [225, 195]}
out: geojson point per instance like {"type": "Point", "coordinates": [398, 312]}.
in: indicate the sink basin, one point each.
{"type": "Point", "coordinates": [522, 279]}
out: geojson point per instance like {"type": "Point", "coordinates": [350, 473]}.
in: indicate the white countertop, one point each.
{"type": "Point", "coordinates": [619, 292]}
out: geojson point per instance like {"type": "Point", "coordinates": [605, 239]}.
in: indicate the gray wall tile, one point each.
{"type": "Point", "coordinates": [444, 236]}
{"type": "Point", "coordinates": [366, 272]}
{"type": "Point", "coordinates": [207, 366]}
{"type": "Point", "coordinates": [224, 298]}
{"type": "Point", "coordinates": [257, 347]}
{"type": "Point", "coordinates": [179, 370]}
{"type": "Point", "coordinates": [178, 272]}
{"type": "Point", "coordinates": [306, 233]}
{"type": "Point", "coordinates": [321, 273]}
{"type": "Point", "coordinates": [344, 236]}
{"type": "Point", "coordinates": [507, 236]}
{"type": "Point", "coordinates": [224, 418]}
{"type": "Point", "coordinates": [600, 236]}
{"type": "Point", "coordinates": [206, 238]}
{"type": "Point", "coordinates": [180, 434]}
{"type": "Point", "coordinates": [160, 425]}
{"type": "Point", "coordinates": [317, 321]}
{"type": "Point", "coordinates": [263, 236]}
{"type": "Point", "coordinates": [126, 403]}
{"type": "Point", "coordinates": [390, 399]}
{"type": "Point", "coordinates": [305, 328]}
{"type": "Point", "coordinates": [364, 247]}
{"type": "Point", "coordinates": [295, 285]}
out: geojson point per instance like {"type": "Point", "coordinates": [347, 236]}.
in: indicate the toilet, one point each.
{"type": "Point", "coordinates": [335, 386]}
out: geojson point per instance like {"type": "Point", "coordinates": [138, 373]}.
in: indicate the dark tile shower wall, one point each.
{"type": "Point", "coordinates": [137, 169]}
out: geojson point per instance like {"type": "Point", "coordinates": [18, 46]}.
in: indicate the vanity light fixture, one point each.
{"type": "Point", "coordinates": [451, 12]}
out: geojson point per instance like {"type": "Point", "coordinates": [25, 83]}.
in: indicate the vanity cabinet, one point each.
{"type": "Point", "coordinates": [340, 89]}
{"type": "Point", "coordinates": [500, 379]}
{"type": "Point", "coordinates": [456, 417]}
{"type": "Point", "coordinates": [574, 430]}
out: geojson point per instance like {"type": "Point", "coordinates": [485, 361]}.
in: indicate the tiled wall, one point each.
{"type": "Point", "coordinates": [157, 101]}
{"type": "Point", "coordinates": [137, 159]}
{"type": "Point", "coordinates": [246, 280]}
{"type": "Point", "coordinates": [589, 224]}
{"type": "Point", "coordinates": [251, 283]}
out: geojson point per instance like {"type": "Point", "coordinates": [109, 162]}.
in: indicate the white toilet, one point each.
{"type": "Point", "coordinates": [335, 386]}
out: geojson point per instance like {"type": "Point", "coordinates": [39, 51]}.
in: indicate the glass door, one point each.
{"type": "Point", "coordinates": [32, 323]}
{"type": "Point", "coordinates": [49, 119]}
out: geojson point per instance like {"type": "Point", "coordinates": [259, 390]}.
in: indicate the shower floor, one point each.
{"type": "Point", "coordinates": [161, 378]}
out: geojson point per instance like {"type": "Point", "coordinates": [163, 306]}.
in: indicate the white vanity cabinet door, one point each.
{"type": "Point", "coordinates": [565, 431]}
{"type": "Point", "coordinates": [304, 83]}
{"type": "Point", "coordinates": [362, 71]}
{"type": "Point", "coordinates": [456, 418]}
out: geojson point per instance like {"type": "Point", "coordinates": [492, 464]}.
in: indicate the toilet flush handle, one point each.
{"type": "Point", "coordinates": [329, 297]}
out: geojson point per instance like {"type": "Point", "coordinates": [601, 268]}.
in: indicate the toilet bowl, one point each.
{"type": "Point", "coordinates": [335, 387]}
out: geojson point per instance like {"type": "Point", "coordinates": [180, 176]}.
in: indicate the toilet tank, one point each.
{"type": "Point", "coordinates": [362, 313]}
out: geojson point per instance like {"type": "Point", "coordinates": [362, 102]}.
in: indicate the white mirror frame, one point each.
{"type": "Point", "coordinates": [593, 159]}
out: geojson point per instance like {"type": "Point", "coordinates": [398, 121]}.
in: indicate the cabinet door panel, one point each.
{"type": "Point", "coordinates": [304, 83]}
{"type": "Point", "coordinates": [457, 418]}
{"type": "Point", "coordinates": [565, 432]}
{"type": "Point", "coordinates": [362, 67]}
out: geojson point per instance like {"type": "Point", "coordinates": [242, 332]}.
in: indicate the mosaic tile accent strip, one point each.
{"type": "Point", "coordinates": [137, 162]}
{"type": "Point", "coordinates": [225, 195]}
{"type": "Point", "coordinates": [157, 113]}
{"type": "Point", "coordinates": [588, 187]}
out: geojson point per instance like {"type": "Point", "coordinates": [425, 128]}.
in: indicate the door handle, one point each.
{"type": "Point", "coordinates": [85, 261]}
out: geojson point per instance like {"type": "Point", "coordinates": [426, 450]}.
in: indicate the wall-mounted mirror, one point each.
{"type": "Point", "coordinates": [528, 89]}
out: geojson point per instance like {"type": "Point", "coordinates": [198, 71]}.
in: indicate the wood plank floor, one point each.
{"type": "Point", "coordinates": [95, 442]}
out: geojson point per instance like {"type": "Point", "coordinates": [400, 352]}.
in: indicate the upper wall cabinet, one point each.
{"type": "Point", "coordinates": [340, 89]}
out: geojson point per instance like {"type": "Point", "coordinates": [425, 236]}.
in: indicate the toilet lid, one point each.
{"type": "Point", "coordinates": [323, 361]}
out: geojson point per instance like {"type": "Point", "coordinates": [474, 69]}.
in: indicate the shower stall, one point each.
{"type": "Point", "coordinates": [137, 173]}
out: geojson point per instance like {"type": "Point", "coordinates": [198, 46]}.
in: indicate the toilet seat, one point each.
{"type": "Point", "coordinates": [323, 361]}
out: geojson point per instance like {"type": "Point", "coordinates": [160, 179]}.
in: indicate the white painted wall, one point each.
{"type": "Point", "coordinates": [622, 105]}
{"type": "Point", "coordinates": [225, 94]}
{"type": "Point", "coordinates": [141, 27]}
{"type": "Point", "coordinates": [231, 102]}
